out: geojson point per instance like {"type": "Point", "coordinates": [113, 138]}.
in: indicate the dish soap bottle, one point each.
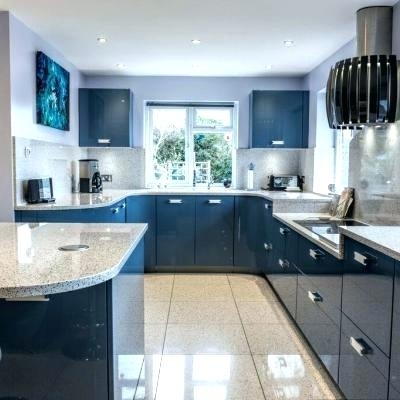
{"type": "Point", "coordinates": [250, 177]}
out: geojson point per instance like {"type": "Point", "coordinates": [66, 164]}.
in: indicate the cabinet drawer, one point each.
{"type": "Point", "coordinates": [284, 241]}
{"type": "Point", "coordinates": [320, 324]}
{"type": "Point", "coordinates": [323, 270]}
{"type": "Point", "coordinates": [368, 291]}
{"type": "Point", "coordinates": [361, 376]}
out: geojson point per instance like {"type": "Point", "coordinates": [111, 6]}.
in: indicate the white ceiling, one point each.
{"type": "Point", "coordinates": [153, 37]}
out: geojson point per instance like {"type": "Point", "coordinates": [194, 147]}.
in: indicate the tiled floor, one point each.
{"type": "Point", "coordinates": [220, 337]}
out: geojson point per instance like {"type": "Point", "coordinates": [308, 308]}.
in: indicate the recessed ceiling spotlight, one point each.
{"type": "Point", "coordinates": [120, 66]}
{"type": "Point", "coordinates": [268, 67]}
{"type": "Point", "coordinates": [101, 40]}
{"type": "Point", "coordinates": [288, 43]}
{"type": "Point", "coordinates": [196, 41]}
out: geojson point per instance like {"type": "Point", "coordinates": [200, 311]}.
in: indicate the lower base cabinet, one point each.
{"type": "Point", "coordinates": [363, 368]}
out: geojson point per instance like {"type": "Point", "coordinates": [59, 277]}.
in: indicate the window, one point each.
{"type": "Point", "coordinates": [189, 144]}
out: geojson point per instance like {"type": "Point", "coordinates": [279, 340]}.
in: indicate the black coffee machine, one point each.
{"type": "Point", "coordinates": [89, 176]}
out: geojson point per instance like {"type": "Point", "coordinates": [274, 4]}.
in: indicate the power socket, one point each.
{"type": "Point", "coordinates": [106, 178]}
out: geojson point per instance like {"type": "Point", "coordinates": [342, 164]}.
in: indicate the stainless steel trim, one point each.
{"type": "Point", "coordinates": [316, 254]}
{"type": "Point", "coordinates": [104, 141]}
{"type": "Point", "coordinates": [214, 201]}
{"type": "Point", "coordinates": [360, 346]}
{"type": "Point", "coordinates": [315, 297]}
{"type": "Point", "coordinates": [175, 201]}
{"type": "Point", "coordinates": [29, 299]}
{"type": "Point", "coordinates": [278, 142]}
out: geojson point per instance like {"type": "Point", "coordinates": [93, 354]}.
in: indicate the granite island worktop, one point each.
{"type": "Point", "coordinates": [282, 200]}
{"type": "Point", "coordinates": [31, 263]}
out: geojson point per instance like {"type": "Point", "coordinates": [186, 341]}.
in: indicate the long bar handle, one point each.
{"type": "Point", "coordinates": [175, 201]}
{"type": "Point", "coordinates": [364, 259]}
{"type": "Point", "coordinates": [214, 201]}
{"type": "Point", "coordinates": [278, 142]}
{"type": "Point", "coordinates": [315, 297]}
{"type": "Point", "coordinates": [360, 346]}
{"type": "Point", "coordinates": [316, 254]}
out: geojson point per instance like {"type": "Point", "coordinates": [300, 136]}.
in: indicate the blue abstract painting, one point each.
{"type": "Point", "coordinates": [52, 93]}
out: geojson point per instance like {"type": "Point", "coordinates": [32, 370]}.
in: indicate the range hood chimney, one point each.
{"type": "Point", "coordinates": [363, 91]}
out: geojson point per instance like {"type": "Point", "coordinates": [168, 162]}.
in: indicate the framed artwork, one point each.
{"type": "Point", "coordinates": [52, 93]}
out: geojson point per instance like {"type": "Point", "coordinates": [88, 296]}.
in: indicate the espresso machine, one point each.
{"type": "Point", "coordinates": [89, 176]}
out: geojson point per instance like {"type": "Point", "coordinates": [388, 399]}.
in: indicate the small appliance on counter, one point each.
{"type": "Point", "coordinates": [89, 176]}
{"type": "Point", "coordinates": [40, 191]}
{"type": "Point", "coordinates": [290, 183]}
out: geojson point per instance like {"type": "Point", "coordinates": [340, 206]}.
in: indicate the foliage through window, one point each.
{"type": "Point", "coordinates": [190, 145]}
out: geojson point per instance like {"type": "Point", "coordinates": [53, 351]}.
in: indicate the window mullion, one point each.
{"type": "Point", "coordinates": [189, 148]}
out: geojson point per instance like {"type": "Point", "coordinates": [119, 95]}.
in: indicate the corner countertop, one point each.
{"type": "Point", "coordinates": [289, 220]}
{"type": "Point", "coordinates": [110, 197]}
{"type": "Point", "coordinates": [385, 239]}
{"type": "Point", "coordinates": [32, 265]}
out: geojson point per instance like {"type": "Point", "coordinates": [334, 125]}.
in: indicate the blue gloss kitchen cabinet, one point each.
{"type": "Point", "coordinates": [366, 322]}
{"type": "Point", "coordinates": [279, 118]}
{"type": "Point", "coordinates": [105, 117]}
{"type": "Point", "coordinates": [214, 231]}
{"type": "Point", "coordinates": [394, 381]}
{"type": "Point", "coordinates": [280, 267]}
{"type": "Point", "coordinates": [253, 216]}
{"type": "Point", "coordinates": [142, 209]}
{"type": "Point", "coordinates": [319, 296]}
{"type": "Point", "coordinates": [175, 232]}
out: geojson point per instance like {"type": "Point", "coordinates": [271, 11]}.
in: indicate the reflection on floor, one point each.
{"type": "Point", "coordinates": [220, 337]}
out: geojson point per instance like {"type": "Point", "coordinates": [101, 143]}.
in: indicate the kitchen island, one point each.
{"type": "Point", "coordinates": [64, 298]}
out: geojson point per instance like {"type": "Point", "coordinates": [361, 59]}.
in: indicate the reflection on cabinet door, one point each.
{"type": "Point", "coordinates": [394, 392]}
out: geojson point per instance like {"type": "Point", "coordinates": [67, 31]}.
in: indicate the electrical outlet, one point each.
{"type": "Point", "coordinates": [106, 178]}
{"type": "Point", "coordinates": [27, 152]}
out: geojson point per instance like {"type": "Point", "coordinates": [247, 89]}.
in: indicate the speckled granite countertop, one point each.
{"type": "Point", "coordinates": [110, 197]}
{"type": "Point", "coordinates": [32, 265]}
{"type": "Point", "coordinates": [289, 218]}
{"type": "Point", "coordinates": [385, 239]}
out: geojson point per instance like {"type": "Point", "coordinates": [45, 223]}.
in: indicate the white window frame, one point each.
{"type": "Point", "coordinates": [191, 130]}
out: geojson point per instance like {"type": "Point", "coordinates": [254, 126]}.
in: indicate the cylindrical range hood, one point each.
{"type": "Point", "coordinates": [363, 91]}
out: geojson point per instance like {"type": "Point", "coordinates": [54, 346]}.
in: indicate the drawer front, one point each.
{"type": "Point", "coordinates": [368, 291]}
{"type": "Point", "coordinates": [318, 322]}
{"type": "Point", "coordinates": [284, 241]}
{"type": "Point", "coordinates": [361, 376]}
{"type": "Point", "coordinates": [323, 270]}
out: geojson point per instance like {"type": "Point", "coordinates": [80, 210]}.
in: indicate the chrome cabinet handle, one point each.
{"type": "Point", "coordinates": [283, 263]}
{"type": "Point", "coordinates": [360, 346]}
{"type": "Point", "coordinates": [284, 231]}
{"type": "Point", "coordinates": [115, 210]}
{"type": "Point", "coordinates": [214, 201]}
{"type": "Point", "coordinates": [103, 141]}
{"type": "Point", "coordinates": [315, 297]}
{"type": "Point", "coordinates": [29, 299]}
{"type": "Point", "coordinates": [123, 206]}
{"type": "Point", "coordinates": [316, 254]}
{"type": "Point", "coordinates": [278, 142]}
{"type": "Point", "coordinates": [268, 206]}
{"type": "Point", "coordinates": [175, 201]}
{"type": "Point", "coordinates": [364, 259]}
{"type": "Point", "coordinates": [268, 246]}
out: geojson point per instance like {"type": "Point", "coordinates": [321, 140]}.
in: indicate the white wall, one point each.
{"type": "Point", "coordinates": [193, 89]}
{"type": "Point", "coordinates": [23, 46]}
{"type": "Point", "coordinates": [6, 181]}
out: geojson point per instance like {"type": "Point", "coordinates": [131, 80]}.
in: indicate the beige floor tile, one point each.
{"type": "Point", "coordinates": [294, 377]}
{"type": "Point", "coordinates": [201, 312]}
{"type": "Point", "coordinates": [202, 293]}
{"type": "Point", "coordinates": [201, 279]}
{"type": "Point", "coordinates": [154, 338]}
{"type": "Point", "coordinates": [208, 377]}
{"type": "Point", "coordinates": [147, 385]}
{"type": "Point", "coordinates": [205, 339]}
{"type": "Point", "coordinates": [255, 312]}
{"type": "Point", "coordinates": [159, 278]}
{"type": "Point", "coordinates": [252, 291]}
{"type": "Point", "coordinates": [156, 291]}
{"type": "Point", "coordinates": [156, 312]}
{"type": "Point", "coordinates": [275, 339]}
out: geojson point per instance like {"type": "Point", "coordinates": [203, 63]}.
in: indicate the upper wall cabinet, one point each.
{"type": "Point", "coordinates": [105, 117]}
{"type": "Point", "coordinates": [279, 118]}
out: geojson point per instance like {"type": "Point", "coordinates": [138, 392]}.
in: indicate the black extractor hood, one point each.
{"type": "Point", "coordinates": [363, 91]}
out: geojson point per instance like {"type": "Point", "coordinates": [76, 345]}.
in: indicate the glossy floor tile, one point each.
{"type": "Point", "coordinates": [221, 337]}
